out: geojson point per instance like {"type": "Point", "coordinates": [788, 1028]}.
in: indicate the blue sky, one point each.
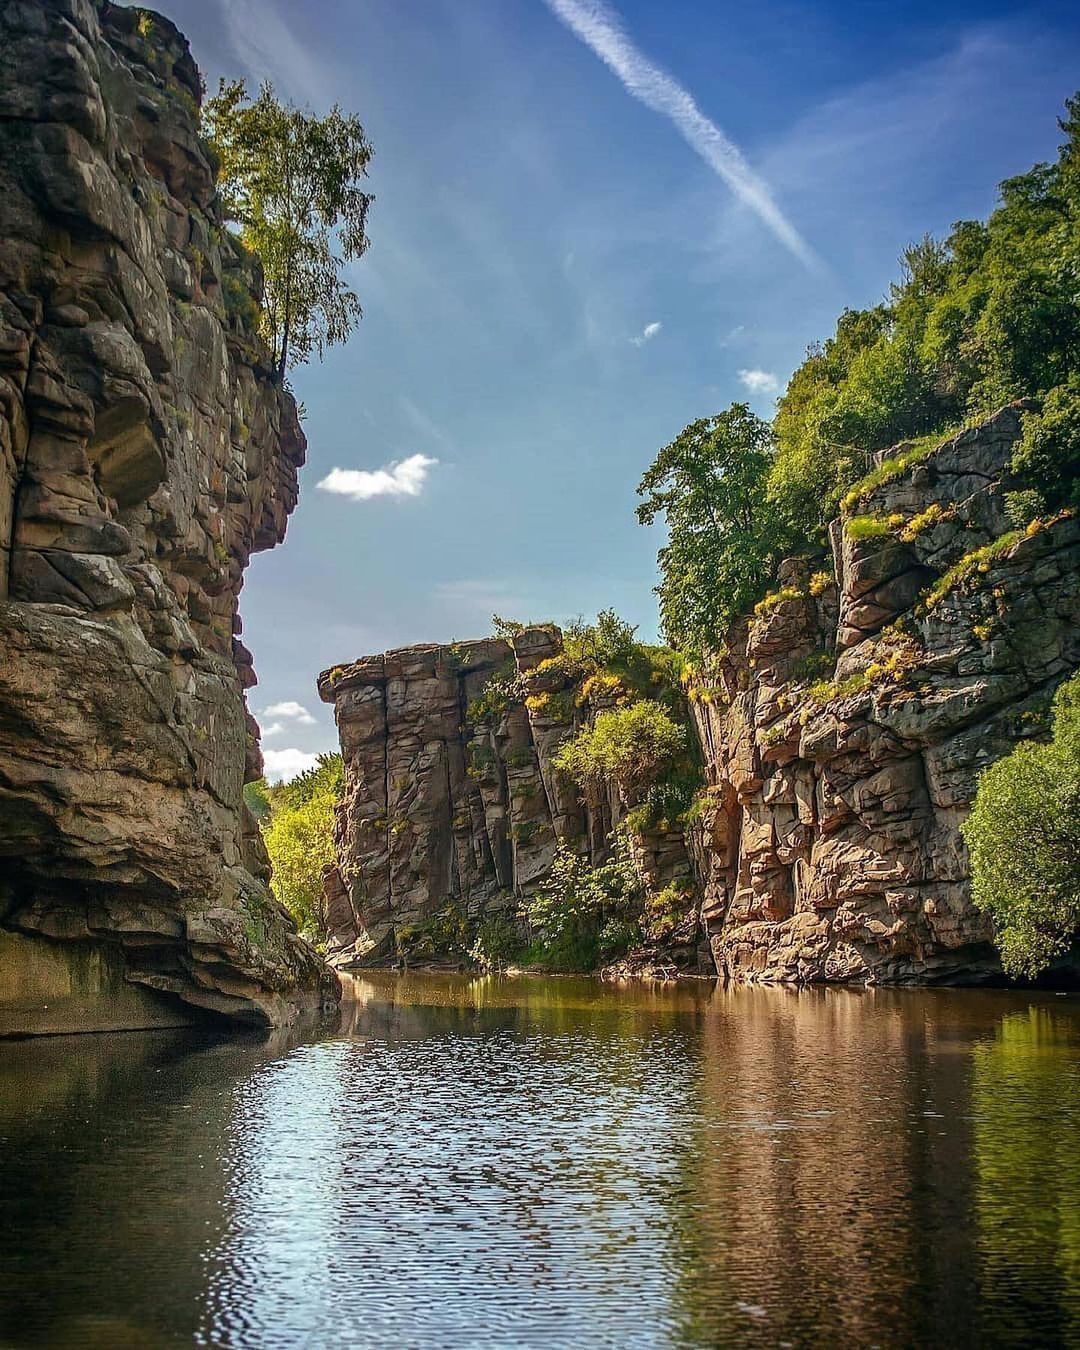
{"type": "Point", "coordinates": [563, 275]}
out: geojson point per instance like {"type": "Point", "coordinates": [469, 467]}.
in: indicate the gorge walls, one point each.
{"type": "Point", "coordinates": [145, 453]}
{"type": "Point", "coordinates": [846, 723]}
{"type": "Point", "coordinates": [843, 727]}
{"type": "Point", "coordinates": [454, 808]}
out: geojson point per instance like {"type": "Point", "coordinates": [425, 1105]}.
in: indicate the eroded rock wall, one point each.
{"type": "Point", "coordinates": [145, 453]}
{"type": "Point", "coordinates": [443, 809]}
{"type": "Point", "coordinates": [832, 848]}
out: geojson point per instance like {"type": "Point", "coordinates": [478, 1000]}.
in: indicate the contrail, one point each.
{"type": "Point", "coordinates": [600, 28]}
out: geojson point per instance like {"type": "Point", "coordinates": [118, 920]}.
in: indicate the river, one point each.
{"type": "Point", "coordinates": [495, 1161]}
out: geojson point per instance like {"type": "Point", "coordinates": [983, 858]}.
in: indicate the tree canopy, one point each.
{"type": "Point", "coordinates": [293, 183]}
{"type": "Point", "coordinates": [724, 533]}
{"type": "Point", "coordinates": [976, 320]}
{"type": "Point", "coordinates": [297, 822]}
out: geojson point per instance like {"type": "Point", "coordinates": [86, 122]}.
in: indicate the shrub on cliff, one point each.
{"type": "Point", "coordinates": [1024, 838]}
{"type": "Point", "coordinates": [632, 746]}
{"type": "Point", "coordinates": [298, 832]}
{"type": "Point", "coordinates": [725, 536]}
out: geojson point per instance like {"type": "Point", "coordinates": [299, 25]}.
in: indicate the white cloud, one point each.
{"type": "Point", "coordinates": [279, 765]}
{"type": "Point", "coordinates": [274, 729]}
{"type": "Point", "coordinates": [647, 334]}
{"type": "Point", "coordinates": [401, 478]}
{"type": "Point", "coordinates": [600, 29]}
{"type": "Point", "coordinates": [289, 708]}
{"type": "Point", "coordinates": [759, 381]}
{"type": "Point", "coordinates": [732, 335]}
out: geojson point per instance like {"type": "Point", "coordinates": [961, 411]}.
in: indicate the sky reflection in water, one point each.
{"type": "Point", "coordinates": [462, 1161]}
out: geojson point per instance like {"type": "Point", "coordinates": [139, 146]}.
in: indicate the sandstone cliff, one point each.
{"type": "Point", "coordinates": [453, 804]}
{"type": "Point", "coordinates": [145, 453]}
{"type": "Point", "coordinates": [832, 848]}
{"type": "Point", "coordinates": [843, 728]}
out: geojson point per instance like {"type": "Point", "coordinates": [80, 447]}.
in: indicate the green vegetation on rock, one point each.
{"type": "Point", "coordinates": [985, 317]}
{"type": "Point", "coordinates": [1024, 838]}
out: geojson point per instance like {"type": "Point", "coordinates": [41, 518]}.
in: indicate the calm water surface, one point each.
{"type": "Point", "coordinates": [544, 1162]}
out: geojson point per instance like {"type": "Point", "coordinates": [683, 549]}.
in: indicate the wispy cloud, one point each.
{"type": "Point", "coordinates": [274, 729]}
{"type": "Point", "coordinates": [269, 49]}
{"type": "Point", "coordinates": [732, 335]}
{"type": "Point", "coordinates": [289, 708]}
{"type": "Point", "coordinates": [600, 28]}
{"type": "Point", "coordinates": [400, 478]}
{"type": "Point", "coordinates": [647, 334]}
{"type": "Point", "coordinates": [759, 381]}
{"type": "Point", "coordinates": [421, 422]}
{"type": "Point", "coordinates": [279, 765]}
{"type": "Point", "coordinates": [481, 596]}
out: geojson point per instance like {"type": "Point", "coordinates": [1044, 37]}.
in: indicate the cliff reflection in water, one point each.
{"type": "Point", "coordinates": [536, 1161]}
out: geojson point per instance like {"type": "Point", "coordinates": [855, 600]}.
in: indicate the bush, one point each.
{"type": "Point", "coordinates": [630, 746]}
{"type": "Point", "coordinates": [582, 913]}
{"type": "Point", "coordinates": [1024, 838]}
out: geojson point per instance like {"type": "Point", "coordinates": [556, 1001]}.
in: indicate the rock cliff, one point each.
{"type": "Point", "coordinates": [451, 803]}
{"type": "Point", "coordinates": [145, 453]}
{"type": "Point", "coordinates": [846, 723]}
{"type": "Point", "coordinates": [843, 729]}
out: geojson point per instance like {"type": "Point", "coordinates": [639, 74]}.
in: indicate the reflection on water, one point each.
{"type": "Point", "coordinates": [557, 1162]}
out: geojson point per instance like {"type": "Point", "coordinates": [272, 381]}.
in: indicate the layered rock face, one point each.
{"type": "Point", "coordinates": [145, 453]}
{"type": "Point", "coordinates": [832, 848]}
{"type": "Point", "coordinates": [444, 808]}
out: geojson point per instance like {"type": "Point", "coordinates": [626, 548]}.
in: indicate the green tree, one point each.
{"type": "Point", "coordinates": [299, 837]}
{"type": "Point", "coordinates": [292, 182]}
{"type": "Point", "coordinates": [725, 536]}
{"type": "Point", "coordinates": [1023, 835]}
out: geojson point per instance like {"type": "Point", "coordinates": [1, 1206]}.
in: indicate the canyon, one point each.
{"type": "Point", "coordinates": [146, 451]}
{"type": "Point", "coordinates": [842, 728]}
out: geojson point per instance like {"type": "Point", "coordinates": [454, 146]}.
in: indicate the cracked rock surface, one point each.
{"type": "Point", "coordinates": [145, 453]}
{"type": "Point", "coordinates": [831, 848]}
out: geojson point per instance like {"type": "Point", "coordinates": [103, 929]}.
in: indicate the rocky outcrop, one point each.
{"type": "Point", "coordinates": [846, 723]}
{"type": "Point", "coordinates": [145, 453]}
{"type": "Point", "coordinates": [453, 804]}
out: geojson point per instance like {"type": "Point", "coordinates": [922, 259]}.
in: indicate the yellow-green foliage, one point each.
{"type": "Point", "coordinates": [861, 528]}
{"type": "Point", "coordinates": [971, 565]}
{"type": "Point", "coordinates": [631, 746]}
{"type": "Point", "coordinates": [775, 599]}
{"type": "Point", "coordinates": [298, 832]}
{"type": "Point", "coordinates": [925, 520]}
{"type": "Point", "coordinates": [820, 583]}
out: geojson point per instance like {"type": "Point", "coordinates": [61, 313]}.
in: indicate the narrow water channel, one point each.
{"type": "Point", "coordinates": [461, 1161]}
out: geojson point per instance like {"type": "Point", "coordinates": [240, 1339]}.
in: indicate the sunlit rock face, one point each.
{"type": "Point", "coordinates": [441, 810]}
{"type": "Point", "coordinates": [145, 453]}
{"type": "Point", "coordinates": [832, 850]}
